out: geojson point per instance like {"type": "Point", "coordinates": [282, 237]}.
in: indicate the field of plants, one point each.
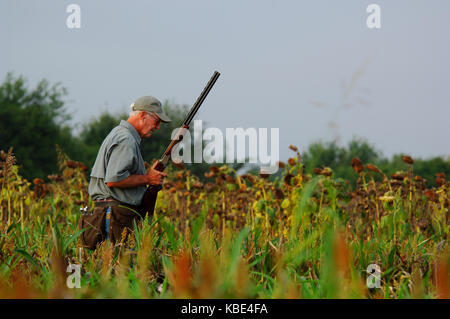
{"type": "Point", "coordinates": [233, 236]}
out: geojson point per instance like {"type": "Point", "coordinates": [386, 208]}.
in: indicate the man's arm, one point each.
{"type": "Point", "coordinates": [130, 182]}
{"type": "Point", "coordinates": [153, 177]}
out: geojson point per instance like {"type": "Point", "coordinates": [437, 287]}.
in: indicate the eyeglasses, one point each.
{"type": "Point", "coordinates": [158, 120]}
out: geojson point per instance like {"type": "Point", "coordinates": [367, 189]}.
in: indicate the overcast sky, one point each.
{"type": "Point", "coordinates": [311, 68]}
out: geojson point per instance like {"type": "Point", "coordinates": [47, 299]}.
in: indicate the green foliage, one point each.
{"type": "Point", "coordinates": [321, 154]}
{"type": "Point", "coordinates": [33, 121]}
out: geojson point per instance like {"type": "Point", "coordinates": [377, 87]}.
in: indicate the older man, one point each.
{"type": "Point", "coordinates": [118, 178]}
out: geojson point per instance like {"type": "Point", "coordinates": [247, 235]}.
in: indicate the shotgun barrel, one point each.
{"type": "Point", "coordinates": [149, 199]}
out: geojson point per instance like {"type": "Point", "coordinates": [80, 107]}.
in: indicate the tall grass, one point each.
{"type": "Point", "coordinates": [299, 236]}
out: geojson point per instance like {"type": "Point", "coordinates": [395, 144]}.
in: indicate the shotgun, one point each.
{"type": "Point", "coordinates": [149, 199]}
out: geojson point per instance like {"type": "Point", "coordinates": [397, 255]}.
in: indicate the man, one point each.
{"type": "Point", "coordinates": [118, 179]}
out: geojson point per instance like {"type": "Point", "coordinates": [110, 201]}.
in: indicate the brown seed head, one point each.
{"type": "Point", "coordinates": [397, 176]}
{"type": "Point", "coordinates": [251, 178]}
{"type": "Point", "coordinates": [294, 148]}
{"type": "Point", "coordinates": [373, 168]}
{"type": "Point", "coordinates": [214, 169]}
{"type": "Point", "coordinates": [279, 194]}
{"type": "Point", "coordinates": [179, 175]}
{"type": "Point", "coordinates": [292, 161]}
{"type": "Point", "coordinates": [355, 162]}
{"type": "Point", "coordinates": [264, 174]}
{"type": "Point", "coordinates": [71, 164]}
{"type": "Point", "coordinates": [242, 188]}
{"type": "Point", "coordinates": [441, 175]}
{"type": "Point", "coordinates": [55, 177]}
{"type": "Point", "coordinates": [407, 159]}
{"type": "Point", "coordinates": [38, 181]}
{"type": "Point", "coordinates": [209, 174]}
{"type": "Point", "coordinates": [357, 165]}
{"type": "Point", "coordinates": [179, 165]}
{"type": "Point", "coordinates": [430, 195]}
{"type": "Point", "coordinates": [197, 184]}
{"type": "Point", "coordinates": [440, 181]}
{"type": "Point", "coordinates": [167, 185]}
{"type": "Point", "coordinates": [210, 187]}
{"type": "Point", "coordinates": [281, 164]}
{"type": "Point", "coordinates": [317, 171]}
{"type": "Point", "coordinates": [287, 179]}
{"type": "Point", "coordinates": [230, 179]}
{"type": "Point", "coordinates": [396, 183]}
{"type": "Point", "coordinates": [179, 185]}
{"type": "Point", "coordinates": [326, 171]}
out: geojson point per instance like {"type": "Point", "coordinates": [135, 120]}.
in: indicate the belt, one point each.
{"type": "Point", "coordinates": [112, 202]}
{"type": "Point", "coordinates": [106, 202]}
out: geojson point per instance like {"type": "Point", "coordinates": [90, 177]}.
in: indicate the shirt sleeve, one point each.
{"type": "Point", "coordinates": [120, 162]}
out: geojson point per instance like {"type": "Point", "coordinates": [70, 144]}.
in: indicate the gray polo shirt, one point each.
{"type": "Point", "coordinates": [118, 157]}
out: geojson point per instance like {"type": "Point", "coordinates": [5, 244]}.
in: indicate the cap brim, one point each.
{"type": "Point", "coordinates": [164, 118]}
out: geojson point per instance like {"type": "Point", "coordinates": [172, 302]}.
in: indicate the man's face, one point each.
{"type": "Point", "coordinates": [150, 123]}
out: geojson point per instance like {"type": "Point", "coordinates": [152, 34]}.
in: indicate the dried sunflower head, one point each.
{"type": "Point", "coordinates": [264, 174]}
{"type": "Point", "coordinates": [230, 179]}
{"type": "Point", "coordinates": [214, 169]}
{"type": "Point", "coordinates": [197, 184]}
{"type": "Point", "coordinates": [210, 187]}
{"type": "Point", "coordinates": [373, 168]}
{"type": "Point", "coordinates": [287, 179]}
{"type": "Point", "coordinates": [407, 159]}
{"type": "Point", "coordinates": [292, 161]}
{"type": "Point", "coordinates": [357, 165]}
{"type": "Point", "coordinates": [179, 165]}
{"type": "Point", "coordinates": [440, 181]}
{"type": "Point", "coordinates": [441, 175]}
{"type": "Point", "coordinates": [327, 171]}
{"type": "Point", "coordinates": [397, 176]}
{"type": "Point", "coordinates": [430, 195]}
{"type": "Point", "coordinates": [38, 181]}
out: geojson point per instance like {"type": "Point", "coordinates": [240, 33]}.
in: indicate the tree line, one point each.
{"type": "Point", "coordinates": [34, 121]}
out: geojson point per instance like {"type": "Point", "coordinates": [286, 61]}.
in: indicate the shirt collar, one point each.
{"type": "Point", "coordinates": [132, 130]}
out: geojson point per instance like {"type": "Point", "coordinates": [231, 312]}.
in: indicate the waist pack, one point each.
{"type": "Point", "coordinates": [93, 224]}
{"type": "Point", "coordinates": [122, 219]}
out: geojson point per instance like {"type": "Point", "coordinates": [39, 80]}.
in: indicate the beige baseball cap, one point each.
{"type": "Point", "coordinates": [150, 104]}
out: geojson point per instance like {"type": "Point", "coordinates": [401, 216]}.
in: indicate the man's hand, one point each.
{"type": "Point", "coordinates": [154, 176]}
